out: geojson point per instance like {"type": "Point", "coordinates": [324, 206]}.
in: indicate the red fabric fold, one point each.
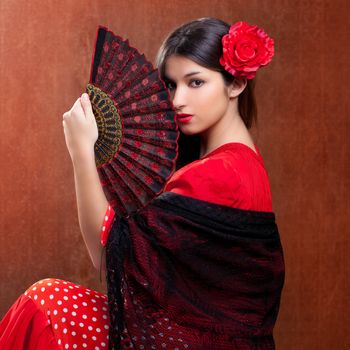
{"type": "Point", "coordinates": [26, 327]}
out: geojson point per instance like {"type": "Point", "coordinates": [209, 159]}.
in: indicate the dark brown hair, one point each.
{"type": "Point", "coordinates": [200, 41]}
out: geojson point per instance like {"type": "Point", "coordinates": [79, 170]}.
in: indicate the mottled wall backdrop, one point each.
{"type": "Point", "coordinates": [45, 55]}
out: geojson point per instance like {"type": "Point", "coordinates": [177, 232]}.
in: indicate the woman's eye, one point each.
{"type": "Point", "coordinates": [196, 83]}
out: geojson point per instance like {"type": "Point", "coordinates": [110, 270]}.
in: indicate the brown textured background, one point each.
{"type": "Point", "coordinates": [45, 56]}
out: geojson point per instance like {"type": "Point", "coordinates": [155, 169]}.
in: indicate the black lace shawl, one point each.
{"type": "Point", "coordinates": [215, 270]}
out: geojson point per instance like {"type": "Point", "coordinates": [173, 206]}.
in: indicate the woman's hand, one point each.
{"type": "Point", "coordinates": [80, 128]}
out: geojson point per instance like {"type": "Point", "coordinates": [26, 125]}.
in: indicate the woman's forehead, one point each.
{"type": "Point", "coordinates": [177, 67]}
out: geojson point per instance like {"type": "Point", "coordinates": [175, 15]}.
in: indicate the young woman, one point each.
{"type": "Point", "coordinates": [199, 267]}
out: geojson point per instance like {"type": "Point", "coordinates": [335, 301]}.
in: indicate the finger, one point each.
{"type": "Point", "coordinates": [87, 107]}
{"type": "Point", "coordinates": [75, 104]}
{"type": "Point", "coordinates": [77, 110]}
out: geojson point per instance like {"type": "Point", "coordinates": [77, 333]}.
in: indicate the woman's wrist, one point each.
{"type": "Point", "coordinates": [85, 155]}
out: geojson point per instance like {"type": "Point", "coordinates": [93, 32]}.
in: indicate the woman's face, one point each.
{"type": "Point", "coordinates": [197, 91]}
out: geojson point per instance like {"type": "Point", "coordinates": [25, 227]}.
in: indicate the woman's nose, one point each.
{"type": "Point", "coordinates": [178, 99]}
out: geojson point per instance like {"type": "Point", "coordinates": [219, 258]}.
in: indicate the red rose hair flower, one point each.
{"type": "Point", "coordinates": [245, 49]}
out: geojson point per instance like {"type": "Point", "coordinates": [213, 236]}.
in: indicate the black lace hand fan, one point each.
{"type": "Point", "coordinates": [136, 148]}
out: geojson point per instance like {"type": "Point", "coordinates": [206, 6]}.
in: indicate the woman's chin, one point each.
{"type": "Point", "coordinates": [187, 130]}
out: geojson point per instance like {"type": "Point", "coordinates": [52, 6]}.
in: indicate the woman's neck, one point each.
{"type": "Point", "coordinates": [230, 129]}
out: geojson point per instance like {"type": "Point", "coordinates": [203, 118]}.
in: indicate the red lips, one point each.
{"type": "Point", "coordinates": [183, 117]}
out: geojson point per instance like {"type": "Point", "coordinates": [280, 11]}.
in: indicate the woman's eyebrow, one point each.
{"type": "Point", "coordinates": [190, 74]}
{"type": "Point", "coordinates": [185, 76]}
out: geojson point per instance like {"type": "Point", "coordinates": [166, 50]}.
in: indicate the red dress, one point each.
{"type": "Point", "coordinates": [56, 314]}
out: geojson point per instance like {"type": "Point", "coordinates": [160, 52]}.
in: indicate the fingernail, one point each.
{"type": "Point", "coordinates": [85, 96]}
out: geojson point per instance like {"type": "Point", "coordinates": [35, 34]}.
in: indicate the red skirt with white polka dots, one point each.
{"type": "Point", "coordinates": [56, 314]}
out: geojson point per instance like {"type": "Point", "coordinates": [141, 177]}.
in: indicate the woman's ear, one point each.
{"type": "Point", "coordinates": [237, 86]}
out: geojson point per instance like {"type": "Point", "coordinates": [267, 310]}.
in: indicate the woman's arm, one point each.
{"type": "Point", "coordinates": [81, 133]}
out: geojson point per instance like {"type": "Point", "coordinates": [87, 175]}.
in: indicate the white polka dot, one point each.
{"type": "Point", "coordinates": [42, 302]}
{"type": "Point", "coordinates": [94, 308]}
{"type": "Point", "coordinates": [81, 324]}
{"type": "Point", "coordinates": [51, 296]}
{"type": "Point", "coordinates": [74, 297]}
{"type": "Point", "coordinates": [106, 327]}
{"type": "Point", "coordinates": [65, 297]}
{"type": "Point", "coordinates": [59, 341]}
{"type": "Point", "coordinates": [93, 300]}
{"type": "Point", "coordinates": [94, 319]}
{"type": "Point", "coordinates": [74, 313]}
{"type": "Point", "coordinates": [93, 337]}
{"type": "Point", "coordinates": [84, 316]}
{"type": "Point", "coordinates": [66, 346]}
{"type": "Point", "coordinates": [55, 326]}
{"type": "Point", "coordinates": [75, 306]}
{"type": "Point", "coordinates": [49, 284]}
{"type": "Point", "coordinates": [65, 310]}
{"type": "Point", "coordinates": [48, 312]}
{"type": "Point", "coordinates": [65, 330]}
{"type": "Point", "coordinates": [84, 345]}
{"type": "Point", "coordinates": [106, 218]}
{"type": "Point", "coordinates": [81, 295]}
{"type": "Point", "coordinates": [35, 297]}
{"type": "Point", "coordinates": [63, 319]}
{"type": "Point", "coordinates": [84, 336]}
{"type": "Point", "coordinates": [74, 334]}
{"type": "Point", "coordinates": [34, 288]}
{"type": "Point", "coordinates": [72, 323]}
{"type": "Point", "coordinates": [90, 328]}
{"type": "Point", "coordinates": [75, 346]}
{"type": "Point", "coordinates": [103, 344]}
{"type": "Point", "coordinates": [65, 290]}
{"type": "Point", "coordinates": [98, 330]}
{"type": "Point", "coordinates": [103, 228]}
{"type": "Point", "coordinates": [59, 302]}
{"type": "Point", "coordinates": [104, 308]}
{"type": "Point", "coordinates": [84, 303]}
{"type": "Point", "coordinates": [43, 289]}
{"type": "Point", "coordinates": [55, 312]}
{"type": "Point", "coordinates": [105, 317]}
